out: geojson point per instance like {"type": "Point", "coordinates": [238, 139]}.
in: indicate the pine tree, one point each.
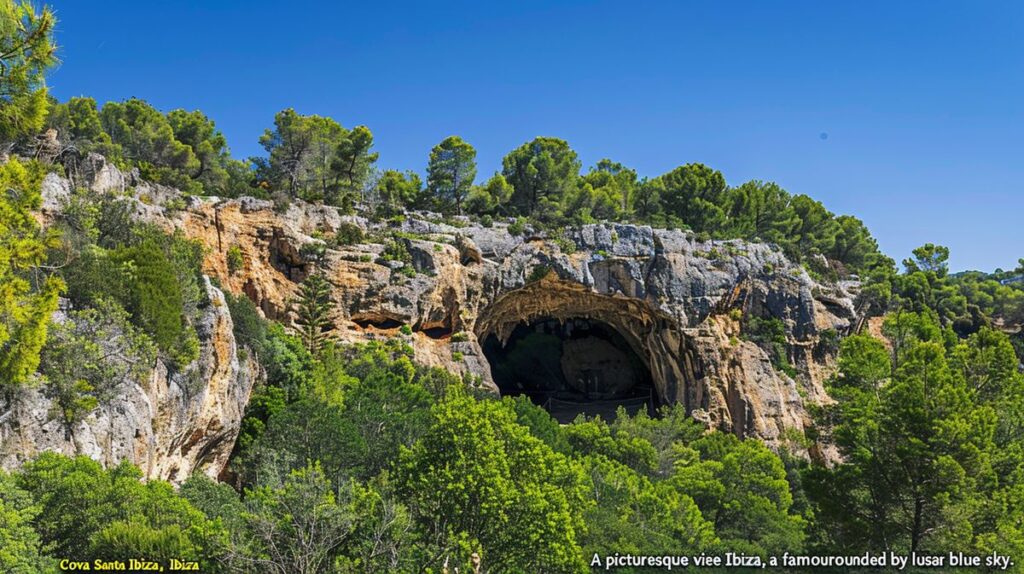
{"type": "Point", "coordinates": [451, 172]}
{"type": "Point", "coordinates": [26, 51]}
{"type": "Point", "coordinates": [24, 311]}
{"type": "Point", "coordinates": [314, 307]}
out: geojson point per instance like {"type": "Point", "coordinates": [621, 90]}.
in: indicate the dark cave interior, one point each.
{"type": "Point", "coordinates": [571, 367]}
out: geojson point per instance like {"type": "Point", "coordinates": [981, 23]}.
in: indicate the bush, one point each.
{"type": "Point", "coordinates": [91, 353]}
{"type": "Point", "coordinates": [156, 299]}
{"type": "Point", "coordinates": [396, 250]}
{"type": "Point", "coordinates": [235, 259]}
{"type": "Point", "coordinates": [769, 334]}
{"type": "Point", "coordinates": [348, 234]}
{"type": "Point", "coordinates": [518, 227]}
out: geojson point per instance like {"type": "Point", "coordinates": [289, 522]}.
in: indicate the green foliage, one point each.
{"type": "Point", "coordinates": [397, 191]}
{"type": "Point", "coordinates": [541, 172]}
{"type": "Point", "coordinates": [154, 295]}
{"type": "Point", "coordinates": [924, 430]}
{"type": "Point", "coordinates": [537, 273]}
{"type": "Point", "coordinates": [450, 173]}
{"type": "Point", "coordinates": [24, 311]}
{"type": "Point", "coordinates": [314, 308]}
{"type": "Point", "coordinates": [215, 173]}
{"type": "Point", "coordinates": [78, 124]}
{"type": "Point", "coordinates": [348, 234]}
{"type": "Point", "coordinates": [479, 482]}
{"type": "Point", "coordinates": [90, 354]}
{"type": "Point", "coordinates": [492, 198]}
{"type": "Point", "coordinates": [352, 165]}
{"type": "Point", "coordinates": [604, 193]}
{"type": "Point", "coordinates": [517, 227]}
{"type": "Point", "coordinates": [396, 250]}
{"type": "Point", "coordinates": [146, 136]}
{"type": "Point", "coordinates": [695, 194]}
{"type": "Point", "coordinates": [770, 334]}
{"type": "Point", "coordinates": [297, 526]}
{"type": "Point", "coordinates": [741, 488]}
{"type": "Point", "coordinates": [21, 551]}
{"type": "Point", "coordinates": [91, 513]}
{"type": "Point", "coordinates": [156, 277]}
{"type": "Point", "coordinates": [761, 211]}
{"type": "Point", "coordinates": [314, 158]}
{"type": "Point", "coordinates": [27, 51]}
{"type": "Point", "coordinates": [235, 259]}
{"type": "Point", "coordinates": [338, 421]}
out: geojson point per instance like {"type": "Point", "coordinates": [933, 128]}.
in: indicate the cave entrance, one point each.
{"type": "Point", "coordinates": [571, 367]}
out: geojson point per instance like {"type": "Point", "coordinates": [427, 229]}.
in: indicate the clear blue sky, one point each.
{"type": "Point", "coordinates": [922, 102]}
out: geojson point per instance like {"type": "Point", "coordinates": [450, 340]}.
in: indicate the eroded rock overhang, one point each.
{"type": "Point", "coordinates": [650, 334]}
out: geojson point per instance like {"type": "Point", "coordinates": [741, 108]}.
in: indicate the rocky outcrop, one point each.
{"type": "Point", "coordinates": [170, 426]}
{"type": "Point", "coordinates": [677, 301]}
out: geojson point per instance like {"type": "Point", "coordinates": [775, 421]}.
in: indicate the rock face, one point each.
{"type": "Point", "coordinates": [169, 427]}
{"type": "Point", "coordinates": [677, 301]}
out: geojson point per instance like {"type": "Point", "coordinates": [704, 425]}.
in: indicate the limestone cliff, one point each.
{"type": "Point", "coordinates": [169, 426]}
{"type": "Point", "coordinates": [675, 300]}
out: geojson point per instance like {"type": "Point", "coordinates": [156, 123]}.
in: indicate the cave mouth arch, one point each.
{"type": "Point", "coordinates": [571, 366]}
{"type": "Point", "coordinates": [649, 338]}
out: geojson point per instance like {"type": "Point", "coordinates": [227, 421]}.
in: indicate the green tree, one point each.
{"type": "Point", "coordinates": [492, 198]}
{"type": "Point", "coordinates": [314, 308]}
{"type": "Point", "coordinates": [209, 146]}
{"type": "Point", "coordinates": [296, 527]}
{"type": "Point", "coordinates": [300, 152]}
{"type": "Point", "coordinates": [479, 482]}
{"type": "Point", "coordinates": [397, 191]}
{"type": "Point", "coordinates": [451, 171]}
{"type": "Point", "coordinates": [90, 354]}
{"type": "Point", "coordinates": [854, 246]}
{"type": "Point", "coordinates": [91, 513]}
{"type": "Point", "coordinates": [606, 190]}
{"type": "Point", "coordinates": [929, 258]}
{"type": "Point", "coordinates": [21, 550]}
{"type": "Point", "coordinates": [760, 211]}
{"type": "Point", "coordinates": [635, 515]}
{"type": "Point", "coordinates": [352, 165]}
{"type": "Point", "coordinates": [24, 312]}
{"type": "Point", "coordinates": [741, 488]}
{"type": "Point", "coordinates": [696, 194]}
{"type": "Point", "coordinates": [27, 51]}
{"type": "Point", "coordinates": [541, 172]}
{"type": "Point", "coordinates": [918, 444]}
{"type": "Point", "coordinates": [646, 200]}
{"type": "Point", "coordinates": [78, 124]}
{"type": "Point", "coordinates": [315, 158]}
{"type": "Point", "coordinates": [147, 140]}
{"type": "Point", "coordinates": [155, 294]}
{"type": "Point", "coordinates": [816, 230]}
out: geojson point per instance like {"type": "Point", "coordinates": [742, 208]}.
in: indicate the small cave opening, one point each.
{"type": "Point", "coordinates": [571, 367]}
{"type": "Point", "coordinates": [436, 332]}
{"type": "Point", "coordinates": [377, 322]}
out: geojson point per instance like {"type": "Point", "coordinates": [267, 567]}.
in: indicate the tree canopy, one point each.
{"type": "Point", "coordinates": [27, 51]}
